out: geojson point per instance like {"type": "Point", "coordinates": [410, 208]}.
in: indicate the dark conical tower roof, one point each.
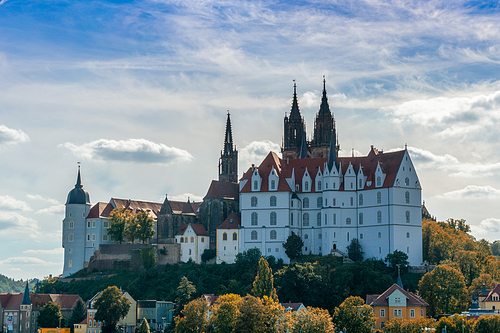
{"type": "Point", "coordinates": [332, 154]}
{"type": "Point", "coordinates": [324, 108]}
{"type": "Point", "coordinates": [303, 148]}
{"type": "Point", "coordinates": [228, 140]}
{"type": "Point", "coordinates": [26, 296]}
{"type": "Point", "coordinates": [78, 196]}
{"type": "Point", "coordinates": [295, 112]}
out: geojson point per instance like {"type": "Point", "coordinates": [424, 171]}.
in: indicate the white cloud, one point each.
{"type": "Point", "coordinates": [38, 197]}
{"type": "Point", "coordinates": [13, 222]}
{"type": "Point", "coordinates": [488, 229]}
{"type": "Point", "coordinates": [53, 251]}
{"type": "Point", "coordinates": [56, 209]}
{"type": "Point", "coordinates": [130, 150]}
{"type": "Point", "coordinates": [27, 261]}
{"type": "Point", "coordinates": [184, 197]}
{"type": "Point", "coordinates": [8, 202]}
{"type": "Point", "coordinates": [473, 192]}
{"type": "Point", "coordinates": [309, 99]}
{"type": "Point", "coordinates": [3, 1]}
{"type": "Point", "coordinates": [12, 136]}
{"type": "Point", "coordinates": [256, 151]}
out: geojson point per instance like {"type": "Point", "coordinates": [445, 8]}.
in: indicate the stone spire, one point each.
{"type": "Point", "coordinates": [26, 296]}
{"type": "Point", "coordinates": [333, 153]}
{"type": "Point", "coordinates": [295, 112]}
{"type": "Point", "coordinates": [323, 125]}
{"type": "Point", "coordinates": [228, 162]}
{"type": "Point", "coordinates": [228, 141]}
{"type": "Point", "coordinates": [303, 147]}
{"type": "Point", "coordinates": [293, 129]}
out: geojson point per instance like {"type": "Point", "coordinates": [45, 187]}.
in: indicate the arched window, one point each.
{"type": "Point", "coordinates": [407, 235]}
{"type": "Point", "coordinates": [224, 236]}
{"type": "Point", "coordinates": [319, 202]}
{"type": "Point", "coordinates": [407, 181]}
{"type": "Point", "coordinates": [379, 197]}
{"type": "Point", "coordinates": [318, 219]}
{"type": "Point", "coordinates": [272, 234]}
{"type": "Point", "coordinates": [253, 202]}
{"type": "Point", "coordinates": [235, 236]}
{"type": "Point", "coordinates": [192, 239]}
{"type": "Point", "coordinates": [306, 186]}
{"type": "Point", "coordinates": [254, 219]}
{"type": "Point", "coordinates": [203, 239]}
{"type": "Point", "coordinates": [361, 199]}
{"type": "Point", "coordinates": [360, 218]}
{"type": "Point", "coordinates": [379, 217]}
{"type": "Point", "coordinates": [379, 235]}
{"type": "Point", "coordinates": [305, 203]}
{"type": "Point", "coordinates": [273, 184]}
{"type": "Point", "coordinates": [379, 181]}
{"type": "Point", "coordinates": [255, 185]}
{"type": "Point", "coordinates": [319, 185]}
{"type": "Point", "coordinates": [182, 239]}
{"type": "Point", "coordinates": [272, 201]}
{"type": "Point", "coordinates": [272, 218]}
{"type": "Point", "coordinates": [407, 197]}
{"type": "Point", "coordinates": [306, 236]}
{"type": "Point", "coordinates": [348, 221]}
{"type": "Point", "coordinates": [253, 235]}
{"type": "Point", "coordinates": [407, 217]}
{"type": "Point", "coordinates": [305, 220]}
{"type": "Point", "coordinates": [189, 254]}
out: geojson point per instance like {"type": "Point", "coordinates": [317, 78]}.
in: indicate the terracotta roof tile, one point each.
{"type": "Point", "coordinates": [198, 229]}
{"type": "Point", "coordinates": [219, 189]}
{"type": "Point", "coordinates": [231, 222]}
{"type": "Point", "coordinates": [412, 299]}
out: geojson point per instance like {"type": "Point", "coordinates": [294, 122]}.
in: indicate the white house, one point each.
{"type": "Point", "coordinates": [228, 236]}
{"type": "Point", "coordinates": [194, 240]}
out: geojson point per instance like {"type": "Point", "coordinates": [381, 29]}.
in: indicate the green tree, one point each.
{"type": "Point", "coordinates": [193, 318]}
{"type": "Point", "coordinates": [148, 258]}
{"type": "Point", "coordinates": [312, 320]}
{"type": "Point", "coordinates": [49, 316]}
{"type": "Point", "coordinates": [397, 258]}
{"type": "Point", "coordinates": [145, 225]}
{"type": "Point", "coordinates": [301, 283]}
{"type": "Point", "coordinates": [264, 282]}
{"type": "Point", "coordinates": [455, 324]}
{"type": "Point", "coordinates": [185, 291]}
{"type": "Point", "coordinates": [131, 228]}
{"type": "Point", "coordinates": [483, 279]}
{"type": "Point", "coordinates": [354, 250]}
{"type": "Point", "coordinates": [225, 311]}
{"type": "Point", "coordinates": [119, 219]}
{"type": "Point", "coordinates": [208, 254]}
{"type": "Point", "coordinates": [354, 316]}
{"type": "Point", "coordinates": [495, 248]}
{"type": "Point", "coordinates": [111, 306]}
{"type": "Point", "coordinates": [78, 314]}
{"type": "Point", "coordinates": [444, 289]}
{"type": "Point", "coordinates": [467, 262]}
{"type": "Point", "coordinates": [252, 317]}
{"type": "Point", "coordinates": [487, 324]}
{"type": "Point", "coordinates": [293, 246]}
{"type": "Point", "coordinates": [144, 328]}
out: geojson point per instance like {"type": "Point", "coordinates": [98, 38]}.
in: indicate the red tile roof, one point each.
{"type": "Point", "coordinates": [389, 162]}
{"type": "Point", "coordinates": [412, 299]}
{"type": "Point", "coordinates": [97, 210]}
{"type": "Point", "coordinates": [219, 189]}
{"type": "Point", "coordinates": [231, 222]}
{"type": "Point", "coordinates": [198, 229]}
{"type": "Point", "coordinates": [496, 290]}
{"type": "Point", "coordinates": [13, 301]}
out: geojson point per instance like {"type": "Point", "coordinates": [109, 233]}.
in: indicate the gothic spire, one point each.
{"type": "Point", "coordinates": [228, 141]}
{"type": "Point", "coordinates": [26, 296]}
{"type": "Point", "coordinates": [332, 155]}
{"type": "Point", "coordinates": [324, 108]}
{"type": "Point", "coordinates": [295, 112]}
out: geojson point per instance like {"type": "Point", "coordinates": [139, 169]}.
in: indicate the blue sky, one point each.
{"type": "Point", "coordinates": [138, 92]}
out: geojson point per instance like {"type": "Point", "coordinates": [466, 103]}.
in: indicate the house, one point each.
{"type": "Point", "coordinates": [194, 240]}
{"type": "Point", "coordinates": [295, 307]}
{"type": "Point", "coordinates": [490, 300]}
{"type": "Point", "coordinates": [81, 327]}
{"type": "Point", "coordinates": [228, 239]}
{"type": "Point", "coordinates": [159, 314]}
{"type": "Point", "coordinates": [396, 302]}
{"type": "Point", "coordinates": [127, 324]}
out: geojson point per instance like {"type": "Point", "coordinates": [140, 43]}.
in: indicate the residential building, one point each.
{"type": "Point", "coordinates": [126, 324]}
{"type": "Point", "coordinates": [159, 314]}
{"type": "Point", "coordinates": [228, 239]}
{"type": "Point", "coordinates": [194, 241]}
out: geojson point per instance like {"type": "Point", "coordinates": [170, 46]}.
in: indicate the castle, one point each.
{"type": "Point", "coordinates": [312, 192]}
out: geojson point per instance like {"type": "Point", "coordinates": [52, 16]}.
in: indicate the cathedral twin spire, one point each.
{"type": "Point", "coordinates": [228, 163]}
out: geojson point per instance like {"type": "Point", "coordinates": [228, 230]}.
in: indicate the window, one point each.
{"type": "Point", "coordinates": [192, 239]}
{"type": "Point", "coordinates": [334, 201]}
{"type": "Point", "coordinates": [189, 251]}
{"type": "Point", "coordinates": [360, 218]}
{"type": "Point", "coordinates": [348, 237]}
{"type": "Point", "coordinates": [305, 203]}
{"type": "Point", "coordinates": [273, 184]}
{"type": "Point", "coordinates": [306, 236]}
{"type": "Point", "coordinates": [254, 219]}
{"type": "Point", "coordinates": [272, 234]}
{"type": "Point", "coordinates": [306, 186]}
{"type": "Point", "coordinates": [291, 219]}
{"type": "Point", "coordinates": [182, 239]}
{"type": "Point", "coordinates": [397, 313]}
{"type": "Point", "coordinates": [253, 235]}
{"type": "Point", "coordinates": [352, 185]}
{"type": "Point", "coordinates": [407, 235]}
{"type": "Point", "coordinates": [361, 199]}
{"type": "Point", "coordinates": [253, 202]}
{"type": "Point", "coordinates": [334, 219]}
{"type": "Point", "coordinates": [305, 220]}
{"type": "Point", "coordinates": [93, 237]}
{"type": "Point", "coordinates": [71, 237]}
{"type": "Point", "coordinates": [93, 224]}
{"type": "Point", "coordinates": [379, 235]}
{"type": "Point", "coordinates": [272, 218]}
{"type": "Point", "coordinates": [70, 250]}
{"type": "Point", "coordinates": [379, 181]}
{"type": "Point", "coordinates": [397, 300]}
{"type": "Point", "coordinates": [272, 201]}
{"type": "Point", "coordinates": [412, 313]}
{"type": "Point", "coordinates": [319, 202]}
{"type": "Point", "coordinates": [88, 224]}
{"type": "Point", "coordinates": [326, 185]}
{"type": "Point", "coordinates": [235, 236]}
{"type": "Point", "coordinates": [348, 221]}
{"type": "Point", "coordinates": [71, 224]}
{"type": "Point", "coordinates": [105, 224]}
{"type": "Point", "coordinates": [185, 239]}
{"type": "Point", "coordinates": [407, 217]}
{"type": "Point", "coordinates": [352, 201]}
{"type": "Point", "coordinates": [224, 237]}
{"type": "Point", "coordinates": [70, 214]}
{"type": "Point", "coordinates": [407, 197]}
{"type": "Point", "coordinates": [382, 312]}
{"type": "Point", "coordinates": [318, 219]}
{"type": "Point", "coordinates": [360, 236]}
{"type": "Point", "coordinates": [379, 217]}
{"type": "Point", "coordinates": [255, 185]}
{"type": "Point", "coordinates": [407, 181]}
{"type": "Point", "coordinates": [105, 237]}
{"type": "Point", "coordinates": [88, 237]}
{"type": "Point", "coordinates": [320, 235]}
{"type": "Point", "coordinates": [326, 202]}
{"type": "Point", "coordinates": [203, 239]}
{"type": "Point", "coordinates": [318, 223]}
{"type": "Point", "coordinates": [319, 185]}
{"type": "Point", "coordinates": [70, 263]}
{"type": "Point", "coordinates": [421, 310]}
{"type": "Point", "coordinates": [379, 197]}
{"type": "Point", "coordinates": [360, 183]}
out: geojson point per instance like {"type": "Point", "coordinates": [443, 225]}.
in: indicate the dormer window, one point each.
{"type": "Point", "coordinates": [319, 185]}
{"type": "Point", "coordinates": [360, 183]}
{"type": "Point", "coordinates": [407, 181]}
{"type": "Point", "coordinates": [255, 185]}
{"type": "Point", "coordinates": [273, 184]}
{"type": "Point", "coordinates": [379, 181]}
{"type": "Point", "coordinates": [306, 186]}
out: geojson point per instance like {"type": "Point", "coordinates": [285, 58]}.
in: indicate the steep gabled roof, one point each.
{"type": "Point", "coordinates": [198, 229]}
{"type": "Point", "coordinates": [231, 222]}
{"type": "Point", "coordinates": [136, 206]}
{"type": "Point", "coordinates": [412, 299]}
{"type": "Point", "coordinates": [220, 189]}
{"type": "Point", "coordinates": [97, 210]}
{"type": "Point", "coordinates": [492, 291]}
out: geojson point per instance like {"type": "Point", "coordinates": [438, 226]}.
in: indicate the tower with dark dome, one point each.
{"type": "Point", "coordinates": [74, 228]}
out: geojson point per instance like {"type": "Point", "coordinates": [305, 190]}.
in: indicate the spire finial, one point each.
{"type": "Point", "coordinates": [78, 178]}
{"type": "Point", "coordinates": [324, 83]}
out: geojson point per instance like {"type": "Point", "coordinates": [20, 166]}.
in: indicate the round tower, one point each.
{"type": "Point", "coordinates": [73, 228]}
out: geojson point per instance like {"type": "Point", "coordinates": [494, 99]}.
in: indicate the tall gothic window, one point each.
{"type": "Point", "coordinates": [224, 236]}
{"type": "Point", "coordinates": [319, 185]}
{"type": "Point", "coordinates": [407, 197]}
{"type": "Point", "coordinates": [318, 219]}
{"type": "Point", "coordinates": [379, 217]}
{"type": "Point", "coordinates": [319, 202]}
{"type": "Point", "coordinates": [235, 236]}
{"type": "Point", "coordinates": [379, 181]}
{"type": "Point", "coordinates": [253, 235]}
{"type": "Point", "coordinates": [361, 199]}
{"type": "Point", "coordinates": [253, 202]}
{"type": "Point", "coordinates": [273, 184]}
{"type": "Point", "coordinates": [407, 181]}
{"type": "Point", "coordinates": [348, 221]}
{"type": "Point", "coordinates": [254, 219]}
{"type": "Point", "coordinates": [379, 197]}
{"type": "Point", "coordinates": [272, 201]}
{"type": "Point", "coordinates": [360, 218]}
{"type": "Point", "coordinates": [306, 186]}
{"type": "Point", "coordinates": [407, 217]}
{"type": "Point", "coordinates": [255, 185]}
{"type": "Point", "coordinates": [273, 234]}
{"type": "Point", "coordinates": [272, 218]}
{"type": "Point", "coordinates": [305, 203]}
{"type": "Point", "coordinates": [305, 220]}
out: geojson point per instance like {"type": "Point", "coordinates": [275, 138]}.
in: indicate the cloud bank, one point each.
{"type": "Point", "coordinates": [8, 202]}
{"type": "Point", "coordinates": [10, 136]}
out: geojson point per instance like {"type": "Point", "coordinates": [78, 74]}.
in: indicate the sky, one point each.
{"type": "Point", "coordinates": [138, 92]}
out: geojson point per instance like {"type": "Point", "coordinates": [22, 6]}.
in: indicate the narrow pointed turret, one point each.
{"type": "Point", "coordinates": [323, 125]}
{"type": "Point", "coordinates": [303, 148]}
{"type": "Point", "coordinates": [399, 281]}
{"type": "Point", "coordinates": [78, 195]}
{"type": "Point", "coordinates": [26, 296]}
{"type": "Point", "coordinates": [295, 112]}
{"type": "Point", "coordinates": [293, 130]}
{"type": "Point", "coordinates": [228, 163]}
{"type": "Point", "coordinates": [333, 153]}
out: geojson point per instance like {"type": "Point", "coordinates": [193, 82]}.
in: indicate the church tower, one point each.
{"type": "Point", "coordinates": [294, 130]}
{"type": "Point", "coordinates": [25, 311]}
{"type": "Point", "coordinates": [324, 124]}
{"type": "Point", "coordinates": [74, 228]}
{"type": "Point", "coordinates": [228, 163]}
